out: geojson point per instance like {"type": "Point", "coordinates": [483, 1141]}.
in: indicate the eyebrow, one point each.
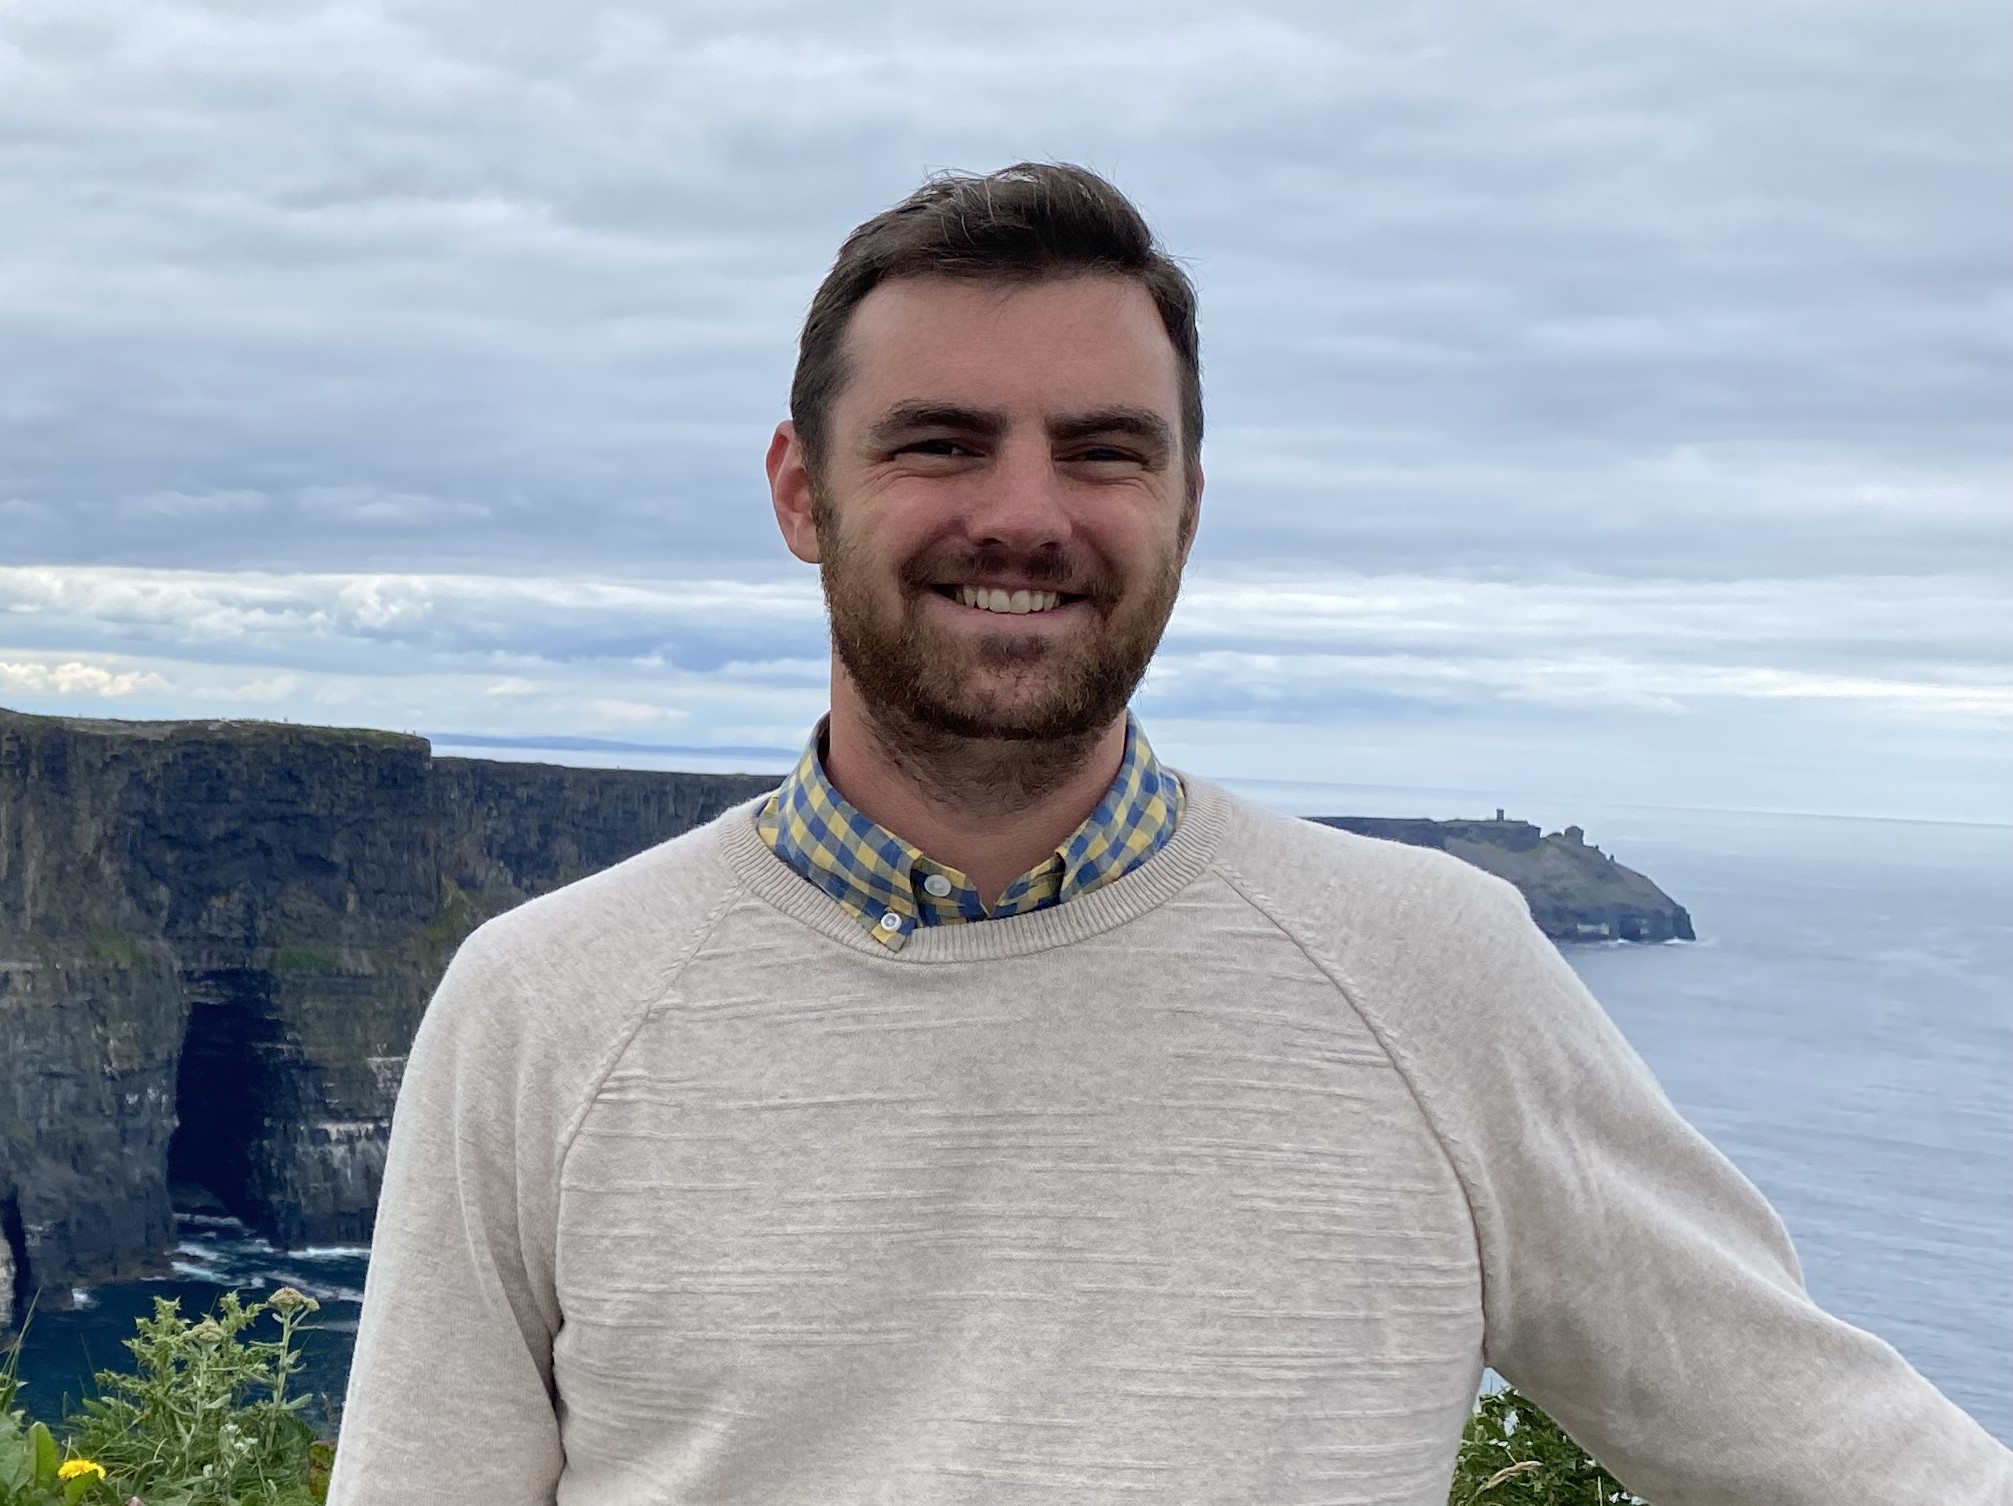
{"type": "Point", "coordinates": [1140, 424]}
{"type": "Point", "coordinates": [905, 418]}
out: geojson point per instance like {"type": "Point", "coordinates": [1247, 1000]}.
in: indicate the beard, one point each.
{"type": "Point", "coordinates": [916, 679]}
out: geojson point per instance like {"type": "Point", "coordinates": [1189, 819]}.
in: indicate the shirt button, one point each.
{"type": "Point", "coordinates": [891, 921]}
{"type": "Point", "coordinates": [938, 885]}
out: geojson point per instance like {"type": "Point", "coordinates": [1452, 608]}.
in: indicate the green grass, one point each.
{"type": "Point", "coordinates": [249, 730]}
{"type": "Point", "coordinates": [458, 913]}
{"type": "Point", "coordinates": [103, 944]}
{"type": "Point", "coordinates": [307, 959]}
{"type": "Point", "coordinates": [96, 945]}
{"type": "Point", "coordinates": [1514, 1455]}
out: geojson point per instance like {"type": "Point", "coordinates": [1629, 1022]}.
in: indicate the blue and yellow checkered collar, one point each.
{"type": "Point", "coordinates": [891, 887]}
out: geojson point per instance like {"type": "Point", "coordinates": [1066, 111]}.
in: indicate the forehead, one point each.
{"type": "Point", "coordinates": [1067, 344]}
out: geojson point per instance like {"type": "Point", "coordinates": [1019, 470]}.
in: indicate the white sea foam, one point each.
{"type": "Point", "coordinates": [321, 1291]}
{"type": "Point", "coordinates": [332, 1252]}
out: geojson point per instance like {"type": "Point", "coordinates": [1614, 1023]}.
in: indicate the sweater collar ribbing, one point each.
{"type": "Point", "coordinates": [1178, 863]}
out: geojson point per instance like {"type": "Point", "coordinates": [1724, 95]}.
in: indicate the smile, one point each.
{"type": "Point", "coordinates": [993, 599]}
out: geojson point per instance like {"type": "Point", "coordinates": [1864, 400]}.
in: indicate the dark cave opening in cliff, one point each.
{"type": "Point", "coordinates": [14, 1240]}
{"type": "Point", "coordinates": [221, 1091]}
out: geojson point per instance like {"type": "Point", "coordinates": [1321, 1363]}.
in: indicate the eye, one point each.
{"type": "Point", "coordinates": [1106, 454]}
{"type": "Point", "coordinates": [951, 449]}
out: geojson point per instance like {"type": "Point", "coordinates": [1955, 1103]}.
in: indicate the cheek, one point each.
{"type": "Point", "coordinates": [892, 524]}
{"type": "Point", "coordinates": [1130, 541]}
{"type": "Point", "coordinates": [862, 534]}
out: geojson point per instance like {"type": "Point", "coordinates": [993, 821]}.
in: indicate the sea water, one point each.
{"type": "Point", "coordinates": [213, 1255]}
{"type": "Point", "coordinates": [1843, 1030]}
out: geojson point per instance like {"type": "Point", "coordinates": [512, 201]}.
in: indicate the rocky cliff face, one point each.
{"type": "Point", "coordinates": [216, 939]}
{"type": "Point", "coordinates": [215, 943]}
{"type": "Point", "coordinates": [1576, 892]}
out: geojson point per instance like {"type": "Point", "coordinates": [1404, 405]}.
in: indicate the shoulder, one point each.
{"type": "Point", "coordinates": [624, 918]}
{"type": "Point", "coordinates": [588, 959]}
{"type": "Point", "coordinates": [1440, 959]}
{"type": "Point", "coordinates": [1332, 886]}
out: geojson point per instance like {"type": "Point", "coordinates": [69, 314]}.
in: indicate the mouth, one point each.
{"type": "Point", "coordinates": [1008, 602]}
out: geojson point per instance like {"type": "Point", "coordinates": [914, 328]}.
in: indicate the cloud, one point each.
{"type": "Point", "coordinates": [73, 678]}
{"type": "Point", "coordinates": [1573, 371]}
{"type": "Point", "coordinates": [1293, 647]}
{"type": "Point", "coordinates": [357, 288]}
{"type": "Point", "coordinates": [326, 618]}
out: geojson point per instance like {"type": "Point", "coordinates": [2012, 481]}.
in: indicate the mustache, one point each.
{"type": "Point", "coordinates": [1048, 568]}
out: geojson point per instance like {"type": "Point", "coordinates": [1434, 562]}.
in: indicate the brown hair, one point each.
{"type": "Point", "coordinates": [1027, 222]}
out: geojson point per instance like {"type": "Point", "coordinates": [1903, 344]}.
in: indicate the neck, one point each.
{"type": "Point", "coordinates": [991, 808]}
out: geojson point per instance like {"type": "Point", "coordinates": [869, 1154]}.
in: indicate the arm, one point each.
{"type": "Point", "coordinates": [1635, 1285]}
{"type": "Point", "coordinates": [452, 1376]}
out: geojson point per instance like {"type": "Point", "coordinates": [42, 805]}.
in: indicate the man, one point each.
{"type": "Point", "coordinates": [992, 1115]}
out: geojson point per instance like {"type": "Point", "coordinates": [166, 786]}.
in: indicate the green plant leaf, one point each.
{"type": "Point", "coordinates": [47, 1456]}
{"type": "Point", "coordinates": [17, 1458]}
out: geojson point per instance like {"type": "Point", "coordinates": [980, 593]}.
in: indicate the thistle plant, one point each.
{"type": "Point", "coordinates": [206, 1419]}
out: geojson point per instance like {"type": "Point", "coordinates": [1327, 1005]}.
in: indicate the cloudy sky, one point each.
{"type": "Point", "coordinates": [1606, 401]}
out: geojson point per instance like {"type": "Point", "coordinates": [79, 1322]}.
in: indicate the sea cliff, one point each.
{"type": "Point", "coordinates": [216, 940]}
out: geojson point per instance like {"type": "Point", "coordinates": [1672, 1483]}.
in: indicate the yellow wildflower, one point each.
{"type": "Point", "coordinates": [79, 1467]}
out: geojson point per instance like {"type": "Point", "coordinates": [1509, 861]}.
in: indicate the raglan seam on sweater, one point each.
{"type": "Point", "coordinates": [1338, 980]}
{"type": "Point", "coordinates": [626, 1038]}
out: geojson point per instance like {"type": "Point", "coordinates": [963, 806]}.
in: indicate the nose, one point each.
{"type": "Point", "coordinates": [1018, 502]}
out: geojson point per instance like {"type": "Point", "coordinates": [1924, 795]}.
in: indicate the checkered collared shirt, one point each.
{"type": "Point", "coordinates": [891, 887]}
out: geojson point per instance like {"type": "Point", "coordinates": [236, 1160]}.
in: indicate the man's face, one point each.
{"type": "Point", "coordinates": [1004, 509]}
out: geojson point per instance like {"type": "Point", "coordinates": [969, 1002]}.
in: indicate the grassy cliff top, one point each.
{"type": "Point", "coordinates": [248, 730]}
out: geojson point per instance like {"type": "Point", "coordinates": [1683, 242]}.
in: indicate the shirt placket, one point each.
{"type": "Point", "coordinates": [1033, 890]}
{"type": "Point", "coordinates": [943, 896]}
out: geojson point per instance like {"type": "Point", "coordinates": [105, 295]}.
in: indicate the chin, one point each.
{"type": "Point", "coordinates": [1060, 711]}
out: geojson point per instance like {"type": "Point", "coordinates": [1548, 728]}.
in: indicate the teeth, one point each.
{"type": "Point", "coordinates": [1018, 603]}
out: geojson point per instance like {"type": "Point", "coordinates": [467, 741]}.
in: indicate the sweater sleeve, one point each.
{"type": "Point", "coordinates": [450, 1390]}
{"type": "Point", "coordinates": [1635, 1284]}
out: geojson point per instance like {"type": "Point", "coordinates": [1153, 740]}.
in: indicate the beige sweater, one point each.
{"type": "Point", "coordinates": [1219, 1184]}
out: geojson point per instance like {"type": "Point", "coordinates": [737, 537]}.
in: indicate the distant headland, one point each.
{"type": "Point", "coordinates": [217, 938]}
{"type": "Point", "coordinates": [1576, 892]}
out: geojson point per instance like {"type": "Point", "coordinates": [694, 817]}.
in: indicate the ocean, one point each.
{"type": "Point", "coordinates": [1843, 1030]}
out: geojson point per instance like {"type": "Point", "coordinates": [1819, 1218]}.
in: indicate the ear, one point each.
{"type": "Point", "coordinates": [1194, 518]}
{"type": "Point", "coordinates": [790, 492]}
